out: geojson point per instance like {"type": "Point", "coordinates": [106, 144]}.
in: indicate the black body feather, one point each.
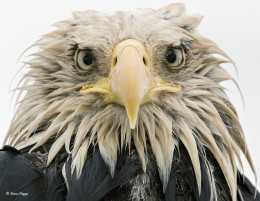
{"type": "Point", "coordinates": [20, 178]}
{"type": "Point", "coordinates": [246, 191]}
{"type": "Point", "coordinates": [95, 182]}
{"type": "Point", "coordinates": [22, 173]}
{"type": "Point", "coordinates": [25, 177]}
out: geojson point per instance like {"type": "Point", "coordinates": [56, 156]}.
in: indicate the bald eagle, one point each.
{"type": "Point", "coordinates": [119, 109]}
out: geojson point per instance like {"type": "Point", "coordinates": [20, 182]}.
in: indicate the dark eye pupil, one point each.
{"type": "Point", "coordinates": [88, 59]}
{"type": "Point", "coordinates": [171, 58]}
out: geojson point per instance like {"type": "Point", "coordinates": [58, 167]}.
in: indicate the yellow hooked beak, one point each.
{"type": "Point", "coordinates": [130, 83]}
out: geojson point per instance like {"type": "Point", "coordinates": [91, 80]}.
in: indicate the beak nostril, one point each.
{"type": "Point", "coordinates": [145, 61]}
{"type": "Point", "coordinates": [114, 61]}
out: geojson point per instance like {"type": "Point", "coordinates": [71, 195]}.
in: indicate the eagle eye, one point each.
{"type": "Point", "coordinates": [175, 57]}
{"type": "Point", "coordinates": [83, 60]}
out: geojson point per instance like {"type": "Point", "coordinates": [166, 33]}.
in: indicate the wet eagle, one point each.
{"type": "Point", "coordinates": [125, 106]}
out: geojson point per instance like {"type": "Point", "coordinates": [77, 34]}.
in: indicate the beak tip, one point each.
{"type": "Point", "coordinates": [132, 114]}
{"type": "Point", "coordinates": [132, 125]}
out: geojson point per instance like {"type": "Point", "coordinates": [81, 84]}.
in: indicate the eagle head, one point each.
{"type": "Point", "coordinates": [130, 80]}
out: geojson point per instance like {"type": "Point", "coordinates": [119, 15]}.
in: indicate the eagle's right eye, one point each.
{"type": "Point", "coordinates": [83, 60]}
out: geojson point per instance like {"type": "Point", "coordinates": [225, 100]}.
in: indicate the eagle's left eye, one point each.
{"type": "Point", "coordinates": [83, 60]}
{"type": "Point", "coordinates": [175, 58]}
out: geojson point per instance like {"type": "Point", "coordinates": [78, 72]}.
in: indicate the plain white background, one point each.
{"type": "Point", "coordinates": [233, 24]}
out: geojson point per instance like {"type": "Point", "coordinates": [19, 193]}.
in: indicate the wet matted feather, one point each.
{"type": "Point", "coordinates": [80, 105]}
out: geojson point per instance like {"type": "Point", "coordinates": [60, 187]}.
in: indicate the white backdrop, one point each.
{"type": "Point", "coordinates": [233, 24]}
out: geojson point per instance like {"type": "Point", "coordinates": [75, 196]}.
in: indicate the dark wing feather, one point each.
{"type": "Point", "coordinates": [182, 182]}
{"type": "Point", "coordinates": [20, 178]}
{"type": "Point", "coordinates": [26, 177]}
{"type": "Point", "coordinates": [171, 186]}
{"type": "Point", "coordinates": [95, 181]}
{"type": "Point", "coordinates": [206, 183]}
{"type": "Point", "coordinates": [56, 186]}
{"type": "Point", "coordinates": [206, 190]}
{"type": "Point", "coordinates": [246, 191]}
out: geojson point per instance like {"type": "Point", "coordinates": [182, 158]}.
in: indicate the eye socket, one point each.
{"type": "Point", "coordinates": [83, 60]}
{"type": "Point", "coordinates": [175, 58]}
